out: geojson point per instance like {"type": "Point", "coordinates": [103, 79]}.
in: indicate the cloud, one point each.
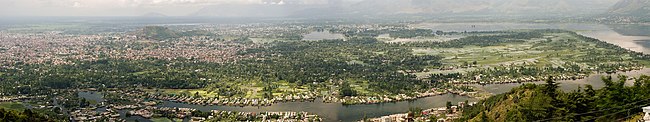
{"type": "Point", "coordinates": [186, 7]}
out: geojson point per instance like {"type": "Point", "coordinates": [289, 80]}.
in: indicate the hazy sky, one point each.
{"type": "Point", "coordinates": [188, 7]}
{"type": "Point", "coordinates": [124, 7]}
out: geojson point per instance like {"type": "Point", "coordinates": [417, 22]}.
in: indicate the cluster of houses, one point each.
{"type": "Point", "coordinates": [90, 114]}
{"type": "Point", "coordinates": [394, 98]}
{"type": "Point", "coordinates": [443, 114]}
{"type": "Point", "coordinates": [170, 112]}
{"type": "Point", "coordinates": [236, 101]}
{"type": "Point", "coordinates": [267, 116]}
{"type": "Point", "coordinates": [182, 113]}
{"type": "Point", "coordinates": [19, 98]}
{"type": "Point", "coordinates": [61, 49]}
{"type": "Point", "coordinates": [507, 80]}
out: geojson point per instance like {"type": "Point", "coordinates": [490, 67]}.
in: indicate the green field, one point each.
{"type": "Point", "coordinates": [555, 49]}
{"type": "Point", "coordinates": [15, 106]}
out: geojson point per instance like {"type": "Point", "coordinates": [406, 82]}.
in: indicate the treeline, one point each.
{"type": "Point", "coordinates": [530, 102]}
{"type": "Point", "coordinates": [25, 116]}
{"type": "Point", "coordinates": [411, 33]}
{"type": "Point", "coordinates": [160, 33]}
{"type": "Point", "coordinates": [393, 33]}
{"type": "Point", "coordinates": [483, 41]}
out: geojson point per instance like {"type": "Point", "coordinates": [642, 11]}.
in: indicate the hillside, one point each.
{"type": "Point", "coordinates": [543, 103]}
{"type": "Point", "coordinates": [420, 7]}
{"type": "Point", "coordinates": [511, 7]}
{"type": "Point", "coordinates": [631, 8]}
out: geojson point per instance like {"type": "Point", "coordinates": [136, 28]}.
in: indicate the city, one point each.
{"type": "Point", "coordinates": [325, 60]}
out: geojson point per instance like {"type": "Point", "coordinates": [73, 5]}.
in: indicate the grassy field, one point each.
{"type": "Point", "coordinates": [554, 49]}
{"type": "Point", "coordinates": [16, 106]}
{"type": "Point", "coordinates": [251, 89]}
{"type": "Point", "coordinates": [491, 55]}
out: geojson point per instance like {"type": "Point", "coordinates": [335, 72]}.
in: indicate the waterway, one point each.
{"type": "Point", "coordinates": [339, 112]}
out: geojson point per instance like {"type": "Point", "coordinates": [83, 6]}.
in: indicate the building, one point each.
{"type": "Point", "coordinates": [646, 118]}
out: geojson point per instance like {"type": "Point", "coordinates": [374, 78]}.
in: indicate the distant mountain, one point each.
{"type": "Point", "coordinates": [153, 14]}
{"type": "Point", "coordinates": [250, 10]}
{"type": "Point", "coordinates": [495, 7]}
{"type": "Point", "coordinates": [631, 8]}
{"type": "Point", "coordinates": [423, 7]}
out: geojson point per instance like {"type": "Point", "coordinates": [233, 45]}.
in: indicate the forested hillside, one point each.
{"type": "Point", "coordinates": [530, 102]}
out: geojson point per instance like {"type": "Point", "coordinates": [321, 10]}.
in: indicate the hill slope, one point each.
{"type": "Point", "coordinates": [631, 8]}
{"type": "Point", "coordinates": [423, 7]}
{"type": "Point", "coordinates": [543, 103]}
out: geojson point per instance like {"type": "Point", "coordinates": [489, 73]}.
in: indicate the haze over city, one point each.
{"type": "Point", "coordinates": [300, 8]}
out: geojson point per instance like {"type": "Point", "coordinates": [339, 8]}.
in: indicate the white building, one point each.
{"type": "Point", "coordinates": [646, 118]}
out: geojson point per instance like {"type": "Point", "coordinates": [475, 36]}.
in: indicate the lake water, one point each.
{"type": "Point", "coordinates": [316, 35]}
{"type": "Point", "coordinates": [622, 35]}
{"type": "Point", "coordinates": [328, 111]}
{"type": "Point", "coordinates": [91, 96]}
{"type": "Point", "coordinates": [337, 111]}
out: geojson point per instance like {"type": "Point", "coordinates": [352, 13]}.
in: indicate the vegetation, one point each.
{"type": "Point", "coordinates": [532, 102]}
{"type": "Point", "coordinates": [357, 66]}
{"type": "Point", "coordinates": [393, 33]}
{"type": "Point", "coordinates": [26, 115]}
{"type": "Point", "coordinates": [163, 33]}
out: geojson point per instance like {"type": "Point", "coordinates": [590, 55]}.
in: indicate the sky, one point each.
{"type": "Point", "coordinates": [123, 7]}
{"type": "Point", "coordinates": [188, 7]}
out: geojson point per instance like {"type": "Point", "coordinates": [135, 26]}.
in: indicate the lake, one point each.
{"type": "Point", "coordinates": [338, 111]}
{"type": "Point", "coordinates": [622, 35]}
{"type": "Point", "coordinates": [328, 111]}
{"type": "Point", "coordinates": [91, 96]}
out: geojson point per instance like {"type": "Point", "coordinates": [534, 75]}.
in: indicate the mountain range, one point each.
{"type": "Point", "coordinates": [422, 7]}
{"type": "Point", "coordinates": [631, 8]}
